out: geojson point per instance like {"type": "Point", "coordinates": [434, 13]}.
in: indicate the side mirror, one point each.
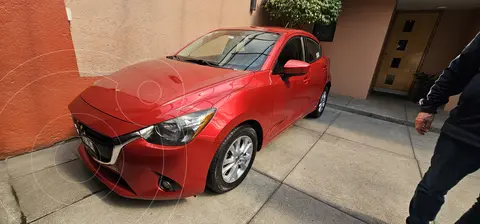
{"type": "Point", "coordinates": [296, 68]}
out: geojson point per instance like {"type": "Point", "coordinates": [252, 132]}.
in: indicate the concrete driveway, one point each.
{"type": "Point", "coordinates": [341, 168]}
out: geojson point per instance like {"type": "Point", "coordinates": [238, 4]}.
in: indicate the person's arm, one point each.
{"type": "Point", "coordinates": [453, 80]}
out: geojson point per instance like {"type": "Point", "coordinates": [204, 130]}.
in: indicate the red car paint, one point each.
{"type": "Point", "coordinates": [154, 91]}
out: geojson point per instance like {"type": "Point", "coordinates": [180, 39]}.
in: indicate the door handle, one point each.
{"type": "Point", "coordinates": [306, 80]}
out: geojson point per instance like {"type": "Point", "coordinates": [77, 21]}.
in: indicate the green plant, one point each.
{"type": "Point", "coordinates": [292, 13]}
{"type": "Point", "coordinates": [421, 85]}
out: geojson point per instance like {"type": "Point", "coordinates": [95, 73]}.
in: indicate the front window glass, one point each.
{"type": "Point", "coordinates": [234, 49]}
{"type": "Point", "coordinates": [291, 51]}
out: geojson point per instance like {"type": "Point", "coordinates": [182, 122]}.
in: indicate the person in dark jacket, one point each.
{"type": "Point", "coordinates": [457, 152]}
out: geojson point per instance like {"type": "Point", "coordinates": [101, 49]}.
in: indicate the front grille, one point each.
{"type": "Point", "coordinates": [103, 144]}
{"type": "Point", "coordinates": [97, 136]}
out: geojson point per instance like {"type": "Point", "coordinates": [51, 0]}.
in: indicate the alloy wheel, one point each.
{"type": "Point", "coordinates": [237, 159]}
{"type": "Point", "coordinates": [323, 102]}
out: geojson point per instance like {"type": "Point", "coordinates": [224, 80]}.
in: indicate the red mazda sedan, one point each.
{"type": "Point", "coordinates": [168, 128]}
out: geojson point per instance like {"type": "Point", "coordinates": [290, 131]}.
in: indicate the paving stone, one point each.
{"type": "Point", "coordinates": [31, 162]}
{"type": "Point", "coordinates": [48, 190]}
{"type": "Point", "coordinates": [459, 200]}
{"type": "Point", "coordinates": [3, 171]}
{"type": "Point", "coordinates": [423, 145]}
{"type": "Point", "coordinates": [288, 205]}
{"type": "Point", "coordinates": [381, 105]}
{"type": "Point", "coordinates": [382, 134]}
{"type": "Point", "coordinates": [320, 124]}
{"type": "Point", "coordinates": [74, 148]}
{"type": "Point", "coordinates": [369, 183]}
{"type": "Point", "coordinates": [9, 210]}
{"type": "Point", "coordinates": [338, 99]}
{"type": "Point", "coordinates": [281, 155]}
{"type": "Point", "coordinates": [236, 206]}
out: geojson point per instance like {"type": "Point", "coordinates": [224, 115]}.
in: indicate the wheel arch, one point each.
{"type": "Point", "coordinates": [328, 85]}
{"type": "Point", "coordinates": [258, 129]}
{"type": "Point", "coordinates": [243, 119]}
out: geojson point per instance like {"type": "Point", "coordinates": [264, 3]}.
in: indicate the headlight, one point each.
{"type": "Point", "coordinates": [178, 131]}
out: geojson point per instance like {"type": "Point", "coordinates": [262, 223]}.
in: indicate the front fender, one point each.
{"type": "Point", "coordinates": [241, 106]}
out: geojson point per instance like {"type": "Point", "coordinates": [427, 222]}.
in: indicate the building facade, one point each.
{"type": "Point", "coordinates": [49, 57]}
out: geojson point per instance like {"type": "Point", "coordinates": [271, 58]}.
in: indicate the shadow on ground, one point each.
{"type": "Point", "coordinates": [293, 205]}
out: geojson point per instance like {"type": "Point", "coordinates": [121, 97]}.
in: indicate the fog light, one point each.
{"type": "Point", "coordinates": [167, 184]}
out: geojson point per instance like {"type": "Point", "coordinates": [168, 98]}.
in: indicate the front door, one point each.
{"type": "Point", "coordinates": [291, 98]}
{"type": "Point", "coordinates": [406, 45]}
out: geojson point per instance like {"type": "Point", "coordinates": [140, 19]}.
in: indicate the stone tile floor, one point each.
{"type": "Point", "coordinates": [385, 107]}
{"type": "Point", "coordinates": [340, 168]}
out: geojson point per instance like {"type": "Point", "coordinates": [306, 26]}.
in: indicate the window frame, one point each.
{"type": "Point", "coordinates": [283, 47]}
{"type": "Point", "coordinates": [305, 49]}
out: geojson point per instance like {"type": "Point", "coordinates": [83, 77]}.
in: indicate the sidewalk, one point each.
{"type": "Point", "coordinates": [341, 168]}
{"type": "Point", "coordinates": [10, 212]}
{"type": "Point", "coordinates": [387, 108]}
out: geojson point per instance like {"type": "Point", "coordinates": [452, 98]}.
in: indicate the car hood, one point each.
{"type": "Point", "coordinates": [148, 92]}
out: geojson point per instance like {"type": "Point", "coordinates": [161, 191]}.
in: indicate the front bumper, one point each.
{"type": "Point", "coordinates": [140, 166]}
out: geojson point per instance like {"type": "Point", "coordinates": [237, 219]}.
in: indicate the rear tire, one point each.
{"type": "Point", "coordinates": [322, 103]}
{"type": "Point", "coordinates": [231, 155]}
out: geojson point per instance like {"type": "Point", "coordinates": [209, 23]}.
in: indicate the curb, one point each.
{"type": "Point", "coordinates": [378, 116]}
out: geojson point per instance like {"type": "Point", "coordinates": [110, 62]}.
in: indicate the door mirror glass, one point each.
{"type": "Point", "coordinates": [296, 68]}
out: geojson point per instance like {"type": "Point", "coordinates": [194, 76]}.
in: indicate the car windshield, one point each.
{"type": "Point", "coordinates": [233, 49]}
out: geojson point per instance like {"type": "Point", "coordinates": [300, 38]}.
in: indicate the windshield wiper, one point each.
{"type": "Point", "coordinates": [174, 57]}
{"type": "Point", "coordinates": [196, 61]}
{"type": "Point", "coordinates": [201, 62]}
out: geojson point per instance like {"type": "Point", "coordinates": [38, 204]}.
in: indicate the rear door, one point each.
{"type": "Point", "coordinates": [317, 76]}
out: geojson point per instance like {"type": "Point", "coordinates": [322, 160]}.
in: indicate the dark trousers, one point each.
{"type": "Point", "coordinates": [451, 162]}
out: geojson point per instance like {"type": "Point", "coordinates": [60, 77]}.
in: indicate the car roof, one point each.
{"type": "Point", "coordinates": [279, 30]}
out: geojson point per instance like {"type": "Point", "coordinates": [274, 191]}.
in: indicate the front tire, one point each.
{"type": "Point", "coordinates": [233, 159]}
{"type": "Point", "coordinates": [322, 103]}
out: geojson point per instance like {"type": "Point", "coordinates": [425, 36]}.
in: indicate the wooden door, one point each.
{"type": "Point", "coordinates": [405, 48]}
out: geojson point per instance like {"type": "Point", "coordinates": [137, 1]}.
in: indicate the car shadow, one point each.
{"type": "Point", "coordinates": [101, 194]}
{"type": "Point", "coordinates": [75, 171]}
{"type": "Point", "coordinates": [116, 200]}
